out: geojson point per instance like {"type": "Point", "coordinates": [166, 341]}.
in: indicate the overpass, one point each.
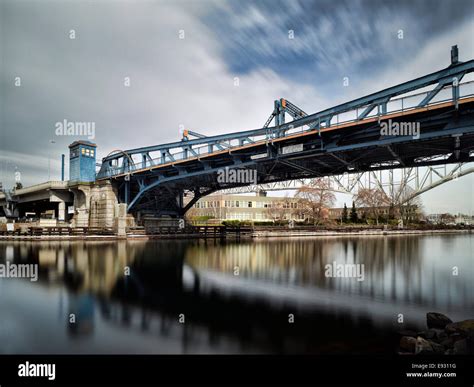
{"type": "Point", "coordinates": [347, 138]}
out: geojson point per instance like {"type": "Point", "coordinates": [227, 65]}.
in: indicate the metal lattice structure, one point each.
{"type": "Point", "coordinates": [345, 139]}
{"type": "Point", "coordinates": [401, 185]}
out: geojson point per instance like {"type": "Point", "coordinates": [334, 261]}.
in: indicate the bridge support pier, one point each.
{"type": "Point", "coordinates": [82, 194]}
{"type": "Point", "coordinates": [120, 222]}
{"type": "Point", "coordinates": [62, 211]}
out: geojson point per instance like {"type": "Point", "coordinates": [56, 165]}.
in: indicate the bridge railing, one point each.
{"type": "Point", "coordinates": [395, 105]}
{"type": "Point", "coordinates": [37, 187]}
{"type": "Point", "coordinates": [407, 103]}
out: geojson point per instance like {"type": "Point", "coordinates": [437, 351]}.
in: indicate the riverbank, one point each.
{"type": "Point", "coordinates": [329, 233]}
{"type": "Point", "coordinates": [442, 337]}
{"type": "Point", "coordinates": [248, 233]}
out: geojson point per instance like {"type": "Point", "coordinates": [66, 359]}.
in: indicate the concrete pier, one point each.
{"type": "Point", "coordinates": [72, 204]}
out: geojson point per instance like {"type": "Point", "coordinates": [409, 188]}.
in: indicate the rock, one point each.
{"type": "Point", "coordinates": [447, 342]}
{"type": "Point", "coordinates": [441, 335]}
{"type": "Point", "coordinates": [465, 327]}
{"type": "Point", "coordinates": [449, 351]}
{"type": "Point", "coordinates": [437, 320]}
{"type": "Point", "coordinates": [408, 343]}
{"type": "Point", "coordinates": [437, 348]}
{"type": "Point", "coordinates": [408, 332]}
{"type": "Point", "coordinates": [423, 346]}
{"type": "Point", "coordinates": [429, 334]}
{"type": "Point", "coordinates": [460, 347]}
{"type": "Point", "coordinates": [456, 337]}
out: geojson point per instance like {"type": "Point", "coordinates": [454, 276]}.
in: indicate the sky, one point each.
{"type": "Point", "coordinates": [140, 70]}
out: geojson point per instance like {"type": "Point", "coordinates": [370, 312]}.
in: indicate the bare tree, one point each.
{"type": "Point", "coordinates": [373, 199]}
{"type": "Point", "coordinates": [314, 198]}
{"type": "Point", "coordinates": [446, 218]}
{"type": "Point", "coordinates": [279, 210]}
{"type": "Point", "coordinates": [191, 214]}
{"type": "Point", "coordinates": [409, 206]}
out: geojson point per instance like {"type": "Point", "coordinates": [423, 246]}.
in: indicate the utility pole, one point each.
{"type": "Point", "coordinates": [49, 161]}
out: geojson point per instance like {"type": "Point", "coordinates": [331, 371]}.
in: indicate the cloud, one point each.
{"type": "Point", "coordinates": [173, 82]}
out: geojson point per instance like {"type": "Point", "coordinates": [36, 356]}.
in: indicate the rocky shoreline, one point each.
{"type": "Point", "coordinates": [443, 336]}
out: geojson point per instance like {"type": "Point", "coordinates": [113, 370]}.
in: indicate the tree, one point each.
{"type": "Point", "coordinates": [408, 205]}
{"type": "Point", "coordinates": [354, 217]}
{"type": "Point", "coordinates": [373, 199]}
{"type": "Point", "coordinates": [191, 214]}
{"type": "Point", "coordinates": [344, 214]}
{"type": "Point", "coordinates": [446, 218]}
{"type": "Point", "coordinates": [391, 211]}
{"type": "Point", "coordinates": [278, 210]}
{"type": "Point", "coordinates": [314, 198]}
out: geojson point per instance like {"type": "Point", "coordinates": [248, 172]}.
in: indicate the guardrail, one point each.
{"type": "Point", "coordinates": [36, 187]}
{"type": "Point", "coordinates": [204, 232]}
{"type": "Point", "coordinates": [58, 231]}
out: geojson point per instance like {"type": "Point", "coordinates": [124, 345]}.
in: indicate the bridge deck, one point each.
{"type": "Point", "coordinates": [413, 111]}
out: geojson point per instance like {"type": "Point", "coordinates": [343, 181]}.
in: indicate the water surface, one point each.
{"type": "Point", "coordinates": [266, 296]}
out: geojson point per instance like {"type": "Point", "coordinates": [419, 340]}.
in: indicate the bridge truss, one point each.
{"type": "Point", "coordinates": [400, 185]}
{"type": "Point", "coordinates": [345, 139]}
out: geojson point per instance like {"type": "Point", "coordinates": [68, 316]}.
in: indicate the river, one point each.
{"type": "Point", "coordinates": [256, 296]}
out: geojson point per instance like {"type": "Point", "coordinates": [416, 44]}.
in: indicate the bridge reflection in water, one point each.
{"type": "Point", "coordinates": [225, 312]}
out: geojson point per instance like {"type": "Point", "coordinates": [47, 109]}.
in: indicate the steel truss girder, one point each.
{"type": "Point", "coordinates": [345, 162]}
{"type": "Point", "coordinates": [162, 182]}
{"type": "Point", "coordinates": [401, 185]}
{"type": "Point", "coordinates": [455, 71]}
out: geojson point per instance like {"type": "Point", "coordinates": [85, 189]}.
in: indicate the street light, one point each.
{"type": "Point", "coordinates": [49, 161]}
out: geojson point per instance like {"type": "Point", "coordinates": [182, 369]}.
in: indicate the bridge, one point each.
{"type": "Point", "coordinates": [401, 185]}
{"type": "Point", "coordinates": [420, 132]}
{"type": "Point", "coordinates": [344, 139]}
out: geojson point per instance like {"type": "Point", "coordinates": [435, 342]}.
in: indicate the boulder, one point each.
{"type": "Point", "coordinates": [460, 347]}
{"type": "Point", "coordinates": [437, 348]}
{"type": "Point", "coordinates": [456, 336]}
{"type": "Point", "coordinates": [437, 320]}
{"type": "Point", "coordinates": [447, 342]}
{"type": "Point", "coordinates": [441, 335]}
{"type": "Point", "coordinates": [423, 346]}
{"type": "Point", "coordinates": [408, 343]}
{"type": "Point", "coordinates": [407, 332]}
{"type": "Point", "coordinates": [429, 334]}
{"type": "Point", "coordinates": [465, 327]}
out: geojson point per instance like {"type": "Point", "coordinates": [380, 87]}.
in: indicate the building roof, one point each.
{"type": "Point", "coordinates": [82, 142]}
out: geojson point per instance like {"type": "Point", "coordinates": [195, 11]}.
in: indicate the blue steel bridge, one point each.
{"type": "Point", "coordinates": [345, 138]}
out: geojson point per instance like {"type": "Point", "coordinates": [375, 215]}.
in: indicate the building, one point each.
{"type": "Point", "coordinates": [268, 209]}
{"type": "Point", "coordinates": [238, 207]}
{"type": "Point", "coordinates": [82, 157]}
{"type": "Point", "coordinates": [449, 219]}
